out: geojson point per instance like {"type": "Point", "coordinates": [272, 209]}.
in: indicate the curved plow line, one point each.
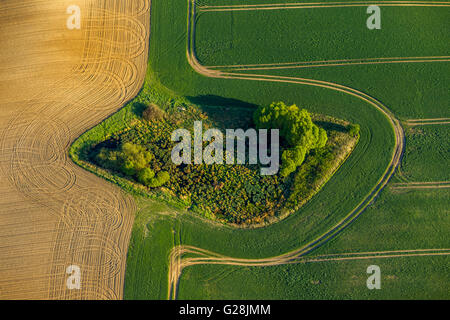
{"type": "Point", "coordinates": [286, 6]}
{"type": "Point", "coordinates": [114, 287]}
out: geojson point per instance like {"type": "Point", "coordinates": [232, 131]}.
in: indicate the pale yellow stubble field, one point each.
{"type": "Point", "coordinates": [56, 83]}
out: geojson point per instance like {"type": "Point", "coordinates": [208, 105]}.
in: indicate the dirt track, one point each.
{"type": "Point", "coordinates": [421, 185]}
{"type": "Point", "coordinates": [311, 5]}
{"type": "Point", "coordinates": [177, 259]}
{"type": "Point", "coordinates": [329, 63]}
{"type": "Point", "coordinates": [427, 122]}
{"type": "Point", "coordinates": [55, 84]}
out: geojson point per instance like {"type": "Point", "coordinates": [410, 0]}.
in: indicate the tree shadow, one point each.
{"type": "Point", "coordinates": [330, 126]}
{"type": "Point", "coordinates": [228, 112]}
{"type": "Point", "coordinates": [138, 108]}
{"type": "Point", "coordinates": [218, 101]}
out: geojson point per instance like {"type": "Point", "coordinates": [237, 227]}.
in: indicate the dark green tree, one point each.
{"type": "Point", "coordinates": [146, 176]}
{"type": "Point", "coordinates": [296, 128]}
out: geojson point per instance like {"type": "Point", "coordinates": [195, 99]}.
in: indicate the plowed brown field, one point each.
{"type": "Point", "coordinates": [55, 84]}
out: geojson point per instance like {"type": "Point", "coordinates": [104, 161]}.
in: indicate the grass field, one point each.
{"type": "Point", "coordinates": [395, 221]}
{"type": "Point", "coordinates": [153, 237]}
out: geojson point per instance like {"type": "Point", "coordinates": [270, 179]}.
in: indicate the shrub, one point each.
{"type": "Point", "coordinates": [291, 159]}
{"type": "Point", "coordinates": [353, 130]}
{"type": "Point", "coordinates": [134, 158]}
{"type": "Point", "coordinates": [145, 176]}
{"type": "Point", "coordinates": [161, 178]}
{"type": "Point", "coordinates": [152, 113]}
{"type": "Point", "coordinates": [107, 159]}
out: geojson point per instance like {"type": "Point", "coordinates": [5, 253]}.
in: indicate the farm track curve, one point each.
{"type": "Point", "coordinates": [56, 84]}
{"type": "Point", "coordinates": [177, 259]}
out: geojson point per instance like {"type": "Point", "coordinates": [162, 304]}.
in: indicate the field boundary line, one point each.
{"type": "Point", "coordinates": [313, 5]}
{"type": "Point", "coordinates": [427, 122]}
{"type": "Point", "coordinates": [331, 63]}
{"type": "Point", "coordinates": [421, 185]}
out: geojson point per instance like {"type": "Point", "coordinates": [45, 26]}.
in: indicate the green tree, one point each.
{"type": "Point", "coordinates": [145, 176]}
{"type": "Point", "coordinates": [296, 128]}
{"type": "Point", "coordinates": [161, 178]}
{"type": "Point", "coordinates": [134, 158]}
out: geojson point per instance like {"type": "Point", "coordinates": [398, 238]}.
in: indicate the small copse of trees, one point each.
{"type": "Point", "coordinates": [133, 161]}
{"type": "Point", "coordinates": [296, 128]}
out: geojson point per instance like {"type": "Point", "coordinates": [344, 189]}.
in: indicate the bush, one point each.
{"type": "Point", "coordinates": [153, 113]}
{"type": "Point", "coordinates": [133, 161]}
{"type": "Point", "coordinates": [353, 130]}
{"type": "Point", "coordinates": [134, 158]}
{"type": "Point", "coordinates": [161, 178]}
{"type": "Point", "coordinates": [291, 159]}
{"type": "Point", "coordinates": [145, 176]}
{"type": "Point", "coordinates": [107, 159]}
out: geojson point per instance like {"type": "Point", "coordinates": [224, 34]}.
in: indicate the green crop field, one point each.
{"type": "Point", "coordinates": [407, 220]}
{"type": "Point", "coordinates": [427, 155]}
{"type": "Point", "coordinates": [403, 278]}
{"type": "Point", "coordinates": [390, 219]}
{"type": "Point", "coordinates": [277, 36]}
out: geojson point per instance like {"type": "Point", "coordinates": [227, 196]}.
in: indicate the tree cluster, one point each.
{"type": "Point", "coordinates": [296, 128]}
{"type": "Point", "coordinates": [133, 161]}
